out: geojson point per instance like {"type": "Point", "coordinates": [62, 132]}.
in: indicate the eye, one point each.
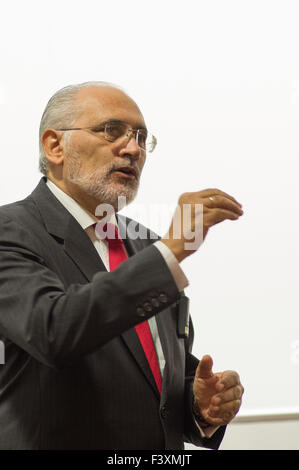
{"type": "Point", "coordinates": [99, 128]}
{"type": "Point", "coordinates": [142, 136]}
{"type": "Point", "coordinates": [114, 130]}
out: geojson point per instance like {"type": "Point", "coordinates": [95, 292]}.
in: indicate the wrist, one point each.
{"type": "Point", "coordinates": [201, 421]}
{"type": "Point", "coordinates": [175, 248]}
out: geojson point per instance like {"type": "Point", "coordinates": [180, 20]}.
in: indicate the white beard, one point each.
{"type": "Point", "coordinates": [99, 184]}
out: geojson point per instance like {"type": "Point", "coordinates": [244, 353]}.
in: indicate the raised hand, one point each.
{"type": "Point", "coordinates": [204, 209]}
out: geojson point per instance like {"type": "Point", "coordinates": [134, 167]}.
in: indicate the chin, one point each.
{"type": "Point", "coordinates": [105, 191]}
{"type": "Point", "coordinates": [111, 195]}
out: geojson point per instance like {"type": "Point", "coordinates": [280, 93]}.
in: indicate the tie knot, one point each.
{"type": "Point", "coordinates": [107, 231]}
{"type": "Point", "coordinates": [117, 252]}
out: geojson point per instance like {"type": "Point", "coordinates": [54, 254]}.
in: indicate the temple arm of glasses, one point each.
{"type": "Point", "coordinates": [79, 128]}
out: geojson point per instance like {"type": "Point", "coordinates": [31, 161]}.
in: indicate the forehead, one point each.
{"type": "Point", "coordinates": [101, 103]}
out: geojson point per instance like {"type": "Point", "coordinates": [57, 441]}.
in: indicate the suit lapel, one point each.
{"type": "Point", "coordinates": [77, 244]}
{"type": "Point", "coordinates": [64, 227]}
{"type": "Point", "coordinates": [80, 248]}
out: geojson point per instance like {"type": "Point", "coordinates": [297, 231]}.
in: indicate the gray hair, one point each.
{"type": "Point", "coordinates": [61, 112]}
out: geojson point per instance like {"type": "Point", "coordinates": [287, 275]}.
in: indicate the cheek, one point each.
{"type": "Point", "coordinates": [91, 153]}
{"type": "Point", "coordinates": [85, 148]}
{"type": "Point", "coordinates": [141, 163]}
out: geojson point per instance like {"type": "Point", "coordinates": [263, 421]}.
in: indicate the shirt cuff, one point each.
{"type": "Point", "coordinates": [173, 265]}
{"type": "Point", "coordinates": [208, 431]}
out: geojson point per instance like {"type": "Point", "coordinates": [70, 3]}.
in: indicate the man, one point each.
{"type": "Point", "coordinates": [97, 349]}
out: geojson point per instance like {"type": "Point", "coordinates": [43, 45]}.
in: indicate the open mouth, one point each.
{"type": "Point", "coordinates": [127, 172]}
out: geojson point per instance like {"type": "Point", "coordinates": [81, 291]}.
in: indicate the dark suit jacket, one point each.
{"type": "Point", "coordinates": [75, 375]}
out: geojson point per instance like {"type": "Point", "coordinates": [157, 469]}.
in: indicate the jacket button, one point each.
{"type": "Point", "coordinates": [147, 307]}
{"type": "Point", "coordinates": [155, 302]}
{"type": "Point", "coordinates": [140, 311]}
{"type": "Point", "coordinates": [163, 298]}
{"type": "Point", "coordinates": [163, 412]}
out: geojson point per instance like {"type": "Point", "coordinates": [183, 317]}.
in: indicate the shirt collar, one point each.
{"type": "Point", "coordinates": [83, 216]}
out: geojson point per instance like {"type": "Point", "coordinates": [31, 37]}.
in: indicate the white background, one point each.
{"type": "Point", "coordinates": [218, 84]}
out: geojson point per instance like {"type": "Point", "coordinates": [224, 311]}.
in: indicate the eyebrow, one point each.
{"type": "Point", "coordinates": [118, 121]}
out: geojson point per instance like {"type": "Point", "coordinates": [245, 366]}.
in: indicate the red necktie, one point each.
{"type": "Point", "coordinates": [117, 255]}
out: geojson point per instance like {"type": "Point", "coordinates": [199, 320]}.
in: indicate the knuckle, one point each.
{"type": "Point", "coordinates": [218, 193]}
{"type": "Point", "coordinates": [183, 197]}
{"type": "Point", "coordinates": [235, 375]}
{"type": "Point", "coordinates": [236, 407]}
{"type": "Point", "coordinates": [228, 416]}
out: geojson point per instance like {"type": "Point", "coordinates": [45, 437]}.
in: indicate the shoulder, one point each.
{"type": "Point", "coordinates": [26, 211]}
{"type": "Point", "coordinates": [19, 210]}
{"type": "Point", "coordinates": [22, 214]}
{"type": "Point", "coordinates": [22, 227]}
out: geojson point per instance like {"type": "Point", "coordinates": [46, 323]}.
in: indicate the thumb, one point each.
{"type": "Point", "coordinates": [204, 369]}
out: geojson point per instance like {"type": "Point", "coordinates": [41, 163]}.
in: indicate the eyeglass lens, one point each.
{"type": "Point", "coordinates": [114, 131]}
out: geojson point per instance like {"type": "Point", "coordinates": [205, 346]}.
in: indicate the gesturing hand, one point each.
{"type": "Point", "coordinates": [217, 397]}
{"type": "Point", "coordinates": [216, 205]}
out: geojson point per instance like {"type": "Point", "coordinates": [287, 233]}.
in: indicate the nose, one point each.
{"type": "Point", "coordinates": [130, 148]}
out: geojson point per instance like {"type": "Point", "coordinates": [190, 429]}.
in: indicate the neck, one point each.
{"type": "Point", "coordinates": [87, 202]}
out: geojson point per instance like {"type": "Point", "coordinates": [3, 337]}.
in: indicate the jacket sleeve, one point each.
{"type": "Point", "coordinates": [58, 325]}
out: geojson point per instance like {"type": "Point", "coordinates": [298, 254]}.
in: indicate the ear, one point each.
{"type": "Point", "coordinates": [53, 147]}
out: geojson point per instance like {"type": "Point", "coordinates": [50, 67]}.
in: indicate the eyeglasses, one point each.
{"type": "Point", "coordinates": [114, 130]}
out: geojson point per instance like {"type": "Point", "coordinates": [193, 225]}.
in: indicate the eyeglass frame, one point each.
{"type": "Point", "coordinates": [129, 130]}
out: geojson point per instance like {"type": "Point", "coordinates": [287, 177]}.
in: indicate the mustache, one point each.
{"type": "Point", "coordinates": [115, 166]}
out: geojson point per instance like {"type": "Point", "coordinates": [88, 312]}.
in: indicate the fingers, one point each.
{"type": "Point", "coordinates": [204, 369]}
{"type": "Point", "coordinates": [225, 414]}
{"type": "Point", "coordinates": [217, 205]}
{"type": "Point", "coordinates": [218, 396]}
{"type": "Point", "coordinates": [228, 379]}
{"type": "Point", "coordinates": [217, 194]}
{"type": "Point", "coordinates": [220, 215]}
{"type": "Point", "coordinates": [223, 202]}
{"type": "Point", "coordinates": [225, 411]}
{"type": "Point", "coordinates": [233, 393]}
{"type": "Point", "coordinates": [195, 214]}
{"type": "Point", "coordinates": [221, 206]}
{"type": "Point", "coordinates": [226, 404]}
{"type": "Point", "coordinates": [213, 197]}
